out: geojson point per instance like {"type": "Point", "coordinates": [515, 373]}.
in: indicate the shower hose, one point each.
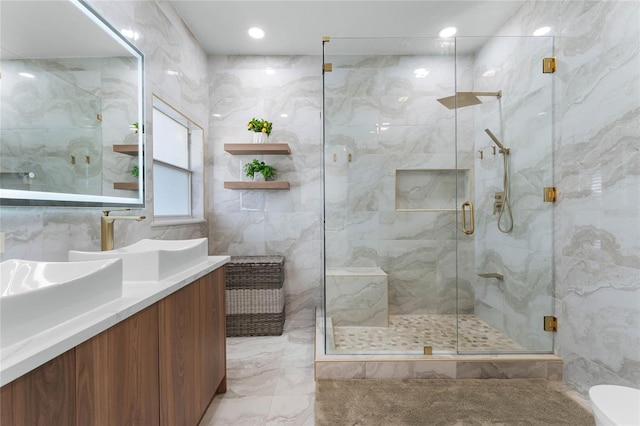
{"type": "Point", "coordinates": [506, 207]}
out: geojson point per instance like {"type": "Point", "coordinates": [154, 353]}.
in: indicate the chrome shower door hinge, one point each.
{"type": "Point", "coordinates": [551, 323]}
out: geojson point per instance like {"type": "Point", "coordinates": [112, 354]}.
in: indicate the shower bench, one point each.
{"type": "Point", "coordinates": [357, 297]}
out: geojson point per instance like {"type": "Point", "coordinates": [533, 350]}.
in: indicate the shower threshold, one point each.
{"type": "Point", "coordinates": [391, 362]}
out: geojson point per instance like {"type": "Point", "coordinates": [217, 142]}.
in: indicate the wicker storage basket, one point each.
{"type": "Point", "coordinates": [255, 296]}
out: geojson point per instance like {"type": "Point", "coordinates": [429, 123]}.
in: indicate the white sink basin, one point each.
{"type": "Point", "coordinates": [36, 296]}
{"type": "Point", "coordinates": [152, 260]}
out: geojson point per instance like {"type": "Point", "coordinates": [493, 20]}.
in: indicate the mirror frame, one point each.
{"type": "Point", "coordinates": [13, 197]}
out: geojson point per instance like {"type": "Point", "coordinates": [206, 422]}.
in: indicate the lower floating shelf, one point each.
{"type": "Point", "coordinates": [133, 186]}
{"type": "Point", "coordinates": [275, 184]}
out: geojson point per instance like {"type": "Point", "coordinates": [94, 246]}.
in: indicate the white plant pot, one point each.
{"type": "Point", "coordinates": [257, 177]}
{"type": "Point", "coordinates": [259, 137]}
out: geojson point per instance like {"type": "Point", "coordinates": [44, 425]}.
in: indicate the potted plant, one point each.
{"type": "Point", "coordinates": [259, 171]}
{"type": "Point", "coordinates": [261, 129]}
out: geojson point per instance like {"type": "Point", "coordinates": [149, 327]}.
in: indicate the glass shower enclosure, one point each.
{"type": "Point", "coordinates": [436, 155]}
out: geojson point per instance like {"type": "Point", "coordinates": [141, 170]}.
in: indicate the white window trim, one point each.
{"type": "Point", "coordinates": [197, 214]}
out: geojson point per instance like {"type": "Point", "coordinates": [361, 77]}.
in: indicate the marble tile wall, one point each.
{"type": "Point", "coordinates": [596, 169]}
{"type": "Point", "coordinates": [385, 118]}
{"type": "Point", "coordinates": [46, 233]}
{"type": "Point", "coordinates": [287, 223]}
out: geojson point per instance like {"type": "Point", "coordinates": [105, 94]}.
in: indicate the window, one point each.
{"type": "Point", "coordinates": [177, 166]}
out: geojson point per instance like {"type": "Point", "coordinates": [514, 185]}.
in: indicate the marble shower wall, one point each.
{"type": "Point", "coordinates": [385, 118]}
{"type": "Point", "coordinates": [597, 172]}
{"type": "Point", "coordinates": [287, 223]}
{"type": "Point", "coordinates": [522, 120]}
{"type": "Point", "coordinates": [47, 233]}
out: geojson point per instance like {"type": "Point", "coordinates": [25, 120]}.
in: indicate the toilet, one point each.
{"type": "Point", "coordinates": [615, 405]}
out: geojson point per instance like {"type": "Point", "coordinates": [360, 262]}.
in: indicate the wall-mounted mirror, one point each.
{"type": "Point", "coordinates": [71, 108]}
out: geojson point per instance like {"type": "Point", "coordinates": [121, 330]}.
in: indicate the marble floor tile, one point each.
{"type": "Point", "coordinates": [292, 410]}
{"type": "Point", "coordinates": [269, 380]}
{"type": "Point", "coordinates": [295, 382]}
{"type": "Point", "coordinates": [247, 411]}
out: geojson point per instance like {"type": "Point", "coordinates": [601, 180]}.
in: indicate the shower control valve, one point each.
{"type": "Point", "coordinates": [499, 201]}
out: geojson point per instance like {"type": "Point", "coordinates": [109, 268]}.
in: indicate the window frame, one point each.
{"type": "Point", "coordinates": [194, 172]}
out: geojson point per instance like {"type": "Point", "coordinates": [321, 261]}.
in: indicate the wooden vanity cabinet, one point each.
{"type": "Point", "coordinates": [117, 374]}
{"type": "Point", "coordinates": [161, 366]}
{"type": "Point", "coordinates": [44, 396]}
{"type": "Point", "coordinates": [192, 350]}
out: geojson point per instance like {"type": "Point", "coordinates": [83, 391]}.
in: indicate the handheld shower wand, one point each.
{"type": "Point", "coordinates": [506, 207]}
{"type": "Point", "coordinates": [493, 137]}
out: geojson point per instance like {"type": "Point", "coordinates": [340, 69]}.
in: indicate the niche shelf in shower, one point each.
{"type": "Point", "coordinates": [129, 149]}
{"type": "Point", "coordinates": [253, 148]}
{"type": "Point", "coordinates": [269, 185]}
{"type": "Point", "coordinates": [130, 186]}
{"type": "Point", "coordinates": [431, 189]}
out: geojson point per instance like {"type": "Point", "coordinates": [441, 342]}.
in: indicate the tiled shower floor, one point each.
{"type": "Point", "coordinates": [411, 333]}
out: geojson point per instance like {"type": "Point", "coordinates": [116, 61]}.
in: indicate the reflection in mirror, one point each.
{"type": "Point", "coordinates": [70, 103]}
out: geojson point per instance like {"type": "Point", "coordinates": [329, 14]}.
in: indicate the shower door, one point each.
{"type": "Point", "coordinates": [390, 196]}
{"type": "Point", "coordinates": [506, 264]}
{"type": "Point", "coordinates": [403, 273]}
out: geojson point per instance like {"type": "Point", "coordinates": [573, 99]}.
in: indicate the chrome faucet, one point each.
{"type": "Point", "coordinates": [106, 227]}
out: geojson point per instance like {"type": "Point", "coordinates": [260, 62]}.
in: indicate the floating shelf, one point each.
{"type": "Point", "coordinates": [132, 186]}
{"type": "Point", "coordinates": [254, 148]}
{"type": "Point", "coordinates": [275, 184]}
{"type": "Point", "coordinates": [126, 149]}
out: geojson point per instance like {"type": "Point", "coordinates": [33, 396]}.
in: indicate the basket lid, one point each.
{"type": "Point", "coordinates": [256, 259]}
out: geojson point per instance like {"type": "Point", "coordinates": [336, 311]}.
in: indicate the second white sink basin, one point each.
{"type": "Point", "coordinates": [152, 260]}
{"type": "Point", "coordinates": [36, 296]}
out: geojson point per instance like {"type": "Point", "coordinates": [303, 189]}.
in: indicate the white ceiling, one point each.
{"type": "Point", "coordinates": [296, 27]}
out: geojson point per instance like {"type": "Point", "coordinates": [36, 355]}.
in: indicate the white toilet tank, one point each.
{"type": "Point", "coordinates": [615, 405]}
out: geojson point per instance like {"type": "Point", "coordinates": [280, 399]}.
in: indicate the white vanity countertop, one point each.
{"type": "Point", "coordinates": [24, 356]}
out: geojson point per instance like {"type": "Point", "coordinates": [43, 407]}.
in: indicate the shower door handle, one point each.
{"type": "Point", "coordinates": [468, 231]}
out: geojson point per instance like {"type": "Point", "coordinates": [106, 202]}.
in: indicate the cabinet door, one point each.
{"type": "Point", "coordinates": [180, 375]}
{"type": "Point", "coordinates": [212, 288]}
{"type": "Point", "coordinates": [117, 374]}
{"type": "Point", "coordinates": [44, 396]}
{"type": "Point", "coordinates": [6, 405]}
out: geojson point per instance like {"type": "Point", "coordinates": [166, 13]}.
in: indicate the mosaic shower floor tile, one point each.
{"type": "Point", "coordinates": [411, 333]}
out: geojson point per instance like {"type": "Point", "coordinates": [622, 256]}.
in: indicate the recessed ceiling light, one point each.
{"type": "Point", "coordinates": [403, 99]}
{"type": "Point", "coordinates": [172, 72]}
{"type": "Point", "coordinates": [269, 71]}
{"type": "Point", "coordinates": [421, 73]}
{"type": "Point", "coordinates": [26, 75]}
{"type": "Point", "coordinates": [216, 115]}
{"type": "Point", "coordinates": [256, 32]}
{"type": "Point", "coordinates": [541, 31]}
{"type": "Point", "coordinates": [447, 32]}
{"type": "Point", "coordinates": [489, 73]}
{"type": "Point", "coordinates": [284, 115]}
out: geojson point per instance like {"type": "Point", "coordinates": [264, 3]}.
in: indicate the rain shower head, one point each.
{"type": "Point", "coordinates": [464, 99]}
{"type": "Point", "coordinates": [497, 141]}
